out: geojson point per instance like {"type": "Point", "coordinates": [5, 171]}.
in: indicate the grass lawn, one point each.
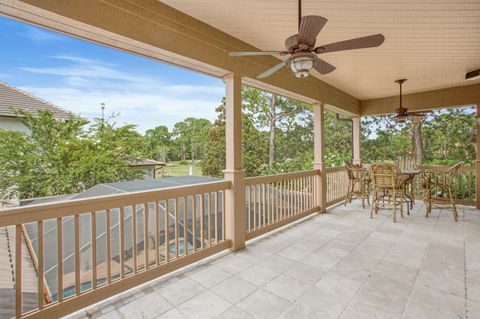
{"type": "Point", "coordinates": [174, 169]}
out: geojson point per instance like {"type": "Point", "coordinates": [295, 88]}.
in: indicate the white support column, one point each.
{"type": "Point", "coordinates": [356, 127]}
{"type": "Point", "coordinates": [477, 164]}
{"type": "Point", "coordinates": [235, 197]}
{"type": "Point", "coordinates": [318, 156]}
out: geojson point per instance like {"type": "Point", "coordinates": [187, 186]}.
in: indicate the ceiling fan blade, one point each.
{"type": "Point", "coordinates": [357, 43]}
{"type": "Point", "coordinates": [310, 27]}
{"type": "Point", "coordinates": [419, 113]}
{"type": "Point", "coordinates": [255, 53]}
{"type": "Point", "coordinates": [323, 67]}
{"type": "Point", "coordinates": [271, 70]}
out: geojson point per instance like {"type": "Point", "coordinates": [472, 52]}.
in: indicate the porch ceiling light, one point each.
{"type": "Point", "coordinates": [400, 118]}
{"type": "Point", "coordinates": [300, 65]}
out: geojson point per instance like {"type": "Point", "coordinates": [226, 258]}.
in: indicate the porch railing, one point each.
{"type": "Point", "coordinates": [276, 200]}
{"type": "Point", "coordinates": [337, 183]}
{"type": "Point", "coordinates": [91, 249]}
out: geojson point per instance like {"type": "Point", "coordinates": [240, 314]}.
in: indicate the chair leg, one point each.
{"type": "Point", "coordinates": [362, 191]}
{"type": "Point", "coordinates": [348, 193]}
{"type": "Point", "coordinates": [428, 203]}
{"type": "Point", "coordinates": [394, 207]}
{"type": "Point", "coordinates": [373, 205]}
{"type": "Point", "coordinates": [402, 198]}
{"type": "Point", "coordinates": [368, 195]}
{"type": "Point", "coordinates": [452, 201]}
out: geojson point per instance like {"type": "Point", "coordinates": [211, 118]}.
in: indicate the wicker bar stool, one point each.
{"type": "Point", "coordinates": [358, 183]}
{"type": "Point", "coordinates": [439, 188]}
{"type": "Point", "coordinates": [388, 181]}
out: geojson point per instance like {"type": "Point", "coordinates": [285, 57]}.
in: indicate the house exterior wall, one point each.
{"type": "Point", "coordinates": [13, 124]}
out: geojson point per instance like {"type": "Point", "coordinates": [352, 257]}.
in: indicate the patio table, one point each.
{"type": "Point", "coordinates": [409, 177]}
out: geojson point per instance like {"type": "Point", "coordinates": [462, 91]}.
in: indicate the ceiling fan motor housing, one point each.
{"type": "Point", "coordinates": [300, 64]}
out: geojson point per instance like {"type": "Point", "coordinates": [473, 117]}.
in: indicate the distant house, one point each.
{"type": "Point", "coordinates": [149, 167]}
{"type": "Point", "coordinates": [12, 99]}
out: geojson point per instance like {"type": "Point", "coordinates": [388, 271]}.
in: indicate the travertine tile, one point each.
{"type": "Point", "coordinates": [149, 306]}
{"type": "Point", "coordinates": [318, 301]}
{"type": "Point", "coordinates": [263, 304]}
{"type": "Point", "coordinates": [385, 294]}
{"type": "Point", "coordinates": [439, 300]}
{"type": "Point", "coordinates": [205, 305]}
{"type": "Point", "coordinates": [258, 275]}
{"type": "Point", "coordinates": [339, 285]}
{"type": "Point", "coordinates": [234, 313]}
{"type": "Point", "coordinates": [306, 273]}
{"type": "Point", "coordinates": [358, 310]}
{"type": "Point", "coordinates": [473, 309]}
{"type": "Point", "coordinates": [277, 263]}
{"type": "Point", "coordinates": [210, 276]}
{"type": "Point", "coordinates": [179, 291]}
{"type": "Point", "coordinates": [233, 289]}
{"type": "Point", "coordinates": [287, 287]}
{"type": "Point", "coordinates": [172, 314]}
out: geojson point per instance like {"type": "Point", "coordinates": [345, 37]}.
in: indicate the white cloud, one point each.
{"type": "Point", "coordinates": [41, 36]}
{"type": "Point", "coordinates": [140, 99]}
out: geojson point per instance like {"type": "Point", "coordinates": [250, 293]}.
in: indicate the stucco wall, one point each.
{"type": "Point", "coordinates": [13, 124]}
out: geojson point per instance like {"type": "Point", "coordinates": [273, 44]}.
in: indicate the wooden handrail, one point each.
{"type": "Point", "coordinates": [335, 169]}
{"type": "Point", "coordinates": [279, 177]}
{"type": "Point", "coordinates": [33, 213]}
{"type": "Point", "coordinates": [462, 169]}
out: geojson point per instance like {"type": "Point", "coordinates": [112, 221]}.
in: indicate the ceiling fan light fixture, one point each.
{"type": "Point", "coordinates": [301, 65]}
{"type": "Point", "coordinates": [401, 118]}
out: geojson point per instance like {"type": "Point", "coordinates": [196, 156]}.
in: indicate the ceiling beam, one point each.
{"type": "Point", "coordinates": [428, 100]}
{"type": "Point", "coordinates": [161, 32]}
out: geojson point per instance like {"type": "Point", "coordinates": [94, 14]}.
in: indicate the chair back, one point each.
{"type": "Point", "coordinates": [349, 167]}
{"type": "Point", "coordinates": [405, 163]}
{"type": "Point", "coordinates": [452, 171]}
{"type": "Point", "coordinates": [384, 175]}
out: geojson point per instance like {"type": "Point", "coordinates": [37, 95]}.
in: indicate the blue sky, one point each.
{"type": "Point", "coordinates": [78, 76]}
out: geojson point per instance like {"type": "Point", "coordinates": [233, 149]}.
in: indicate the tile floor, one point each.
{"type": "Point", "coordinates": [337, 265]}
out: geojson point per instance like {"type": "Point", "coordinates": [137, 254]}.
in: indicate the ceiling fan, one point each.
{"type": "Point", "coordinates": [303, 53]}
{"type": "Point", "coordinates": [402, 112]}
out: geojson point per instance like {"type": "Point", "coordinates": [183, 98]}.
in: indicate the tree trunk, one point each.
{"type": "Point", "coordinates": [192, 154]}
{"type": "Point", "coordinates": [417, 142]}
{"type": "Point", "coordinates": [273, 119]}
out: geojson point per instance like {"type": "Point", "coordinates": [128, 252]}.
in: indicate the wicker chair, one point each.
{"type": "Point", "coordinates": [358, 183]}
{"type": "Point", "coordinates": [387, 182]}
{"type": "Point", "coordinates": [439, 188]}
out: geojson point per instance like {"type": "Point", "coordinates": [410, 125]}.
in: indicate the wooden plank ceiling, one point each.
{"type": "Point", "coordinates": [432, 43]}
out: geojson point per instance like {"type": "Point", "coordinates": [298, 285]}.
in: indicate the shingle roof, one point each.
{"type": "Point", "coordinates": [125, 187]}
{"type": "Point", "coordinates": [12, 99]}
{"type": "Point", "coordinates": [146, 162]}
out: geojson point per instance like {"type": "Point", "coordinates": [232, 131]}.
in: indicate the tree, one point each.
{"type": "Point", "coordinates": [417, 141]}
{"type": "Point", "coordinates": [254, 147]}
{"type": "Point", "coordinates": [158, 141]}
{"type": "Point", "coordinates": [271, 112]}
{"type": "Point", "coordinates": [443, 137]}
{"type": "Point", "coordinates": [62, 157]}
{"type": "Point", "coordinates": [191, 137]}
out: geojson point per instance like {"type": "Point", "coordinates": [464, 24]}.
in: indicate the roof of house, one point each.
{"type": "Point", "coordinates": [146, 162]}
{"type": "Point", "coordinates": [12, 99]}
{"type": "Point", "coordinates": [125, 187]}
